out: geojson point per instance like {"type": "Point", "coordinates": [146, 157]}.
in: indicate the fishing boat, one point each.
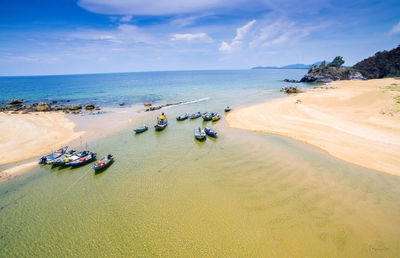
{"type": "Point", "coordinates": [103, 163]}
{"type": "Point", "coordinates": [83, 160]}
{"type": "Point", "coordinates": [195, 115]}
{"type": "Point", "coordinates": [162, 122]}
{"type": "Point", "coordinates": [227, 109]}
{"type": "Point", "coordinates": [141, 129]}
{"type": "Point", "coordinates": [70, 158]}
{"type": "Point", "coordinates": [182, 117]}
{"type": "Point", "coordinates": [199, 134]}
{"type": "Point", "coordinates": [52, 156]}
{"type": "Point", "coordinates": [60, 160]}
{"type": "Point", "coordinates": [210, 132]}
{"type": "Point", "coordinates": [207, 116]}
{"type": "Point", "coordinates": [216, 117]}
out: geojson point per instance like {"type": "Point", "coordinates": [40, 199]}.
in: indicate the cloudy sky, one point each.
{"type": "Point", "coordinates": [99, 36]}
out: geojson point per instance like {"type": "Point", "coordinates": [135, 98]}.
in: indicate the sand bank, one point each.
{"type": "Point", "coordinates": [357, 121]}
{"type": "Point", "coordinates": [25, 136]}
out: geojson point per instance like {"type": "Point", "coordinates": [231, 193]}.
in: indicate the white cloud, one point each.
{"type": "Point", "coordinates": [395, 30]}
{"type": "Point", "coordinates": [241, 32]}
{"type": "Point", "coordinates": [126, 18]}
{"type": "Point", "coordinates": [155, 7]}
{"type": "Point", "coordinates": [225, 47]}
{"type": "Point", "coordinates": [190, 37]}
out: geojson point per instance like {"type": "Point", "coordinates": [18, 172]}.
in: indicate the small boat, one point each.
{"type": "Point", "coordinates": [216, 117]}
{"type": "Point", "coordinates": [60, 160]}
{"type": "Point", "coordinates": [162, 122]}
{"type": "Point", "coordinates": [83, 160]}
{"type": "Point", "coordinates": [182, 117]}
{"type": "Point", "coordinates": [70, 158]}
{"type": "Point", "coordinates": [52, 156]}
{"type": "Point", "coordinates": [199, 134]}
{"type": "Point", "coordinates": [141, 129]}
{"type": "Point", "coordinates": [207, 116]}
{"type": "Point", "coordinates": [195, 115]}
{"type": "Point", "coordinates": [227, 109]}
{"type": "Point", "coordinates": [210, 132]}
{"type": "Point", "coordinates": [103, 163]}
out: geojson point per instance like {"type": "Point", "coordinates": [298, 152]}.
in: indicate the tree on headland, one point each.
{"type": "Point", "coordinates": [322, 65]}
{"type": "Point", "coordinates": [337, 62]}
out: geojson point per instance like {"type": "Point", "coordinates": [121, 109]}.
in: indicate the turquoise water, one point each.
{"type": "Point", "coordinates": [244, 194]}
{"type": "Point", "coordinates": [133, 88]}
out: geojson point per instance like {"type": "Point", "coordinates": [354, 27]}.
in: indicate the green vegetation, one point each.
{"type": "Point", "coordinates": [337, 62]}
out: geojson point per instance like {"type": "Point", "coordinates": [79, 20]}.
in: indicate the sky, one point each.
{"type": "Point", "coordinates": [45, 37]}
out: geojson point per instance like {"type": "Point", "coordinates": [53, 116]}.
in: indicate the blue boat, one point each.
{"type": "Point", "coordinates": [210, 132]}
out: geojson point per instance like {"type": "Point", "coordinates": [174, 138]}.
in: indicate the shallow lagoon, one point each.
{"type": "Point", "coordinates": [244, 194]}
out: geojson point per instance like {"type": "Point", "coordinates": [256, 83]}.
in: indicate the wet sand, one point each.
{"type": "Point", "coordinates": [356, 121]}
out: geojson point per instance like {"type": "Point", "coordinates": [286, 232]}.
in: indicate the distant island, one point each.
{"type": "Point", "coordinates": [292, 66]}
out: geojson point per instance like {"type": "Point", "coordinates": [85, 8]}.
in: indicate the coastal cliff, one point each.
{"type": "Point", "coordinates": [382, 64]}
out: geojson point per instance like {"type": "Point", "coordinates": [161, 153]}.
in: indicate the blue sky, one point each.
{"type": "Point", "coordinates": [99, 36]}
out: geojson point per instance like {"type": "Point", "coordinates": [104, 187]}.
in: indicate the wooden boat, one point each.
{"type": "Point", "coordinates": [141, 129]}
{"type": "Point", "coordinates": [216, 117]}
{"type": "Point", "coordinates": [199, 134]}
{"type": "Point", "coordinates": [182, 117]}
{"type": "Point", "coordinates": [52, 156]}
{"type": "Point", "coordinates": [227, 109]}
{"type": "Point", "coordinates": [70, 158]}
{"type": "Point", "coordinates": [60, 160]}
{"type": "Point", "coordinates": [103, 163]}
{"type": "Point", "coordinates": [195, 115]}
{"type": "Point", "coordinates": [207, 116]}
{"type": "Point", "coordinates": [162, 122]}
{"type": "Point", "coordinates": [210, 132]}
{"type": "Point", "coordinates": [82, 161]}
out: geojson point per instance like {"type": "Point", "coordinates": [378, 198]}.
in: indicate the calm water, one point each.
{"type": "Point", "coordinates": [244, 194]}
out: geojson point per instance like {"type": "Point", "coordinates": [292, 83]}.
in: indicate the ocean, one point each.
{"type": "Point", "coordinates": [243, 194]}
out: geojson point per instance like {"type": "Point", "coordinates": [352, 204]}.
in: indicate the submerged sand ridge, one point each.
{"type": "Point", "coordinates": [357, 121]}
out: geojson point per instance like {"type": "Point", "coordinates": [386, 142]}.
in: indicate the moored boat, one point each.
{"type": "Point", "coordinates": [207, 116]}
{"type": "Point", "coordinates": [216, 117]}
{"type": "Point", "coordinates": [162, 122]}
{"type": "Point", "coordinates": [52, 156]}
{"type": "Point", "coordinates": [227, 109]}
{"type": "Point", "coordinates": [210, 132]}
{"type": "Point", "coordinates": [182, 117]}
{"type": "Point", "coordinates": [82, 160]}
{"type": "Point", "coordinates": [70, 158]}
{"type": "Point", "coordinates": [60, 160]}
{"type": "Point", "coordinates": [141, 129]}
{"type": "Point", "coordinates": [103, 163]}
{"type": "Point", "coordinates": [199, 134]}
{"type": "Point", "coordinates": [195, 115]}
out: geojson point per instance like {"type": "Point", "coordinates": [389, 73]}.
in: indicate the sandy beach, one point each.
{"type": "Point", "coordinates": [25, 136]}
{"type": "Point", "coordinates": [356, 121]}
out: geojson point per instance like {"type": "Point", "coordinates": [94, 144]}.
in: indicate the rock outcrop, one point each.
{"type": "Point", "coordinates": [382, 64]}
{"type": "Point", "coordinates": [328, 74]}
{"type": "Point", "coordinates": [43, 106]}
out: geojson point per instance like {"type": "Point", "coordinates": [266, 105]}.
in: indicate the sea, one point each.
{"type": "Point", "coordinates": [244, 194]}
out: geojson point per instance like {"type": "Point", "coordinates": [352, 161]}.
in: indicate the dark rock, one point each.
{"type": "Point", "coordinates": [291, 90]}
{"type": "Point", "coordinates": [382, 64]}
{"type": "Point", "coordinates": [147, 104]}
{"type": "Point", "coordinates": [122, 104]}
{"type": "Point", "coordinates": [16, 101]}
{"type": "Point", "coordinates": [57, 108]}
{"type": "Point", "coordinates": [54, 102]}
{"type": "Point", "coordinates": [97, 108]}
{"type": "Point", "coordinates": [43, 106]}
{"type": "Point", "coordinates": [328, 74]}
{"type": "Point", "coordinates": [73, 107]}
{"type": "Point", "coordinates": [291, 81]}
{"type": "Point", "coordinates": [90, 106]}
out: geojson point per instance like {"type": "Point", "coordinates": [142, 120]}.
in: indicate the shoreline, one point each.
{"type": "Point", "coordinates": [33, 132]}
{"type": "Point", "coordinates": [355, 121]}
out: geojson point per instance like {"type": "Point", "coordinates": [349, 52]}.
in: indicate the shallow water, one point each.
{"type": "Point", "coordinates": [244, 194]}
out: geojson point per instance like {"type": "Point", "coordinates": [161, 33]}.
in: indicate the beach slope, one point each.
{"type": "Point", "coordinates": [356, 121]}
{"type": "Point", "coordinates": [25, 136]}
